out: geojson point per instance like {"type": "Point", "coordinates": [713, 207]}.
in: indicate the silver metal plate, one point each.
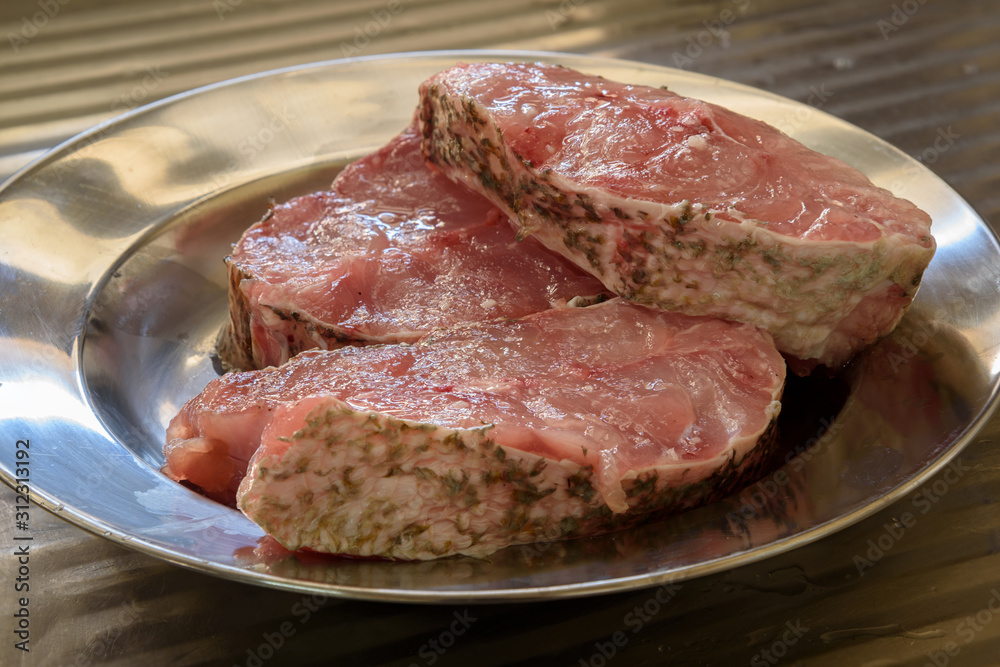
{"type": "Point", "coordinates": [113, 291]}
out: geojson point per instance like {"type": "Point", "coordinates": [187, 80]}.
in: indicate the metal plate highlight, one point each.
{"type": "Point", "coordinates": [114, 289]}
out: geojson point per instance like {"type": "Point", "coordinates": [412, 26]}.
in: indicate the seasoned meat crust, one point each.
{"type": "Point", "coordinates": [683, 205]}
{"type": "Point", "coordinates": [391, 252]}
{"type": "Point", "coordinates": [565, 423]}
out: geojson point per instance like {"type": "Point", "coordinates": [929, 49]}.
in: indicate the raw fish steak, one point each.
{"type": "Point", "coordinates": [391, 252]}
{"type": "Point", "coordinates": [683, 205]}
{"type": "Point", "coordinates": [561, 424]}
